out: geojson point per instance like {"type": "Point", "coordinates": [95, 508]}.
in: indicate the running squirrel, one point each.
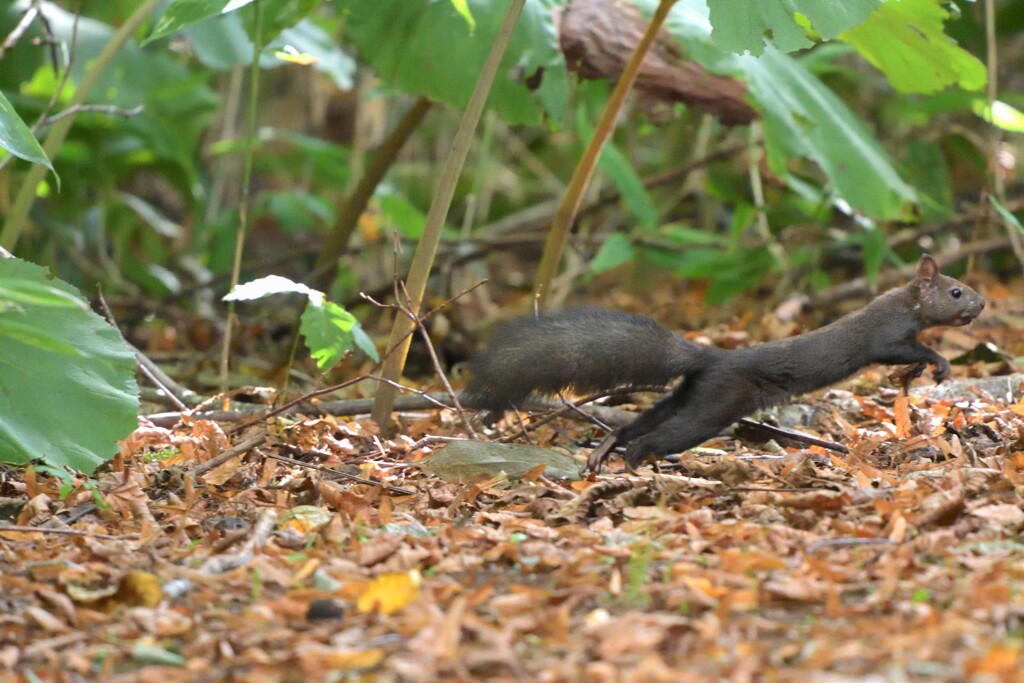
{"type": "Point", "coordinates": [593, 349]}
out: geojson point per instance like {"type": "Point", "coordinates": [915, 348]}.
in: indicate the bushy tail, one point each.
{"type": "Point", "coordinates": [585, 350]}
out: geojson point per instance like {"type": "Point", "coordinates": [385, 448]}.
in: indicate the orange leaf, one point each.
{"type": "Point", "coordinates": [902, 409]}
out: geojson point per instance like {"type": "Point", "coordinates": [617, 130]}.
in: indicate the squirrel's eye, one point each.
{"type": "Point", "coordinates": [956, 293]}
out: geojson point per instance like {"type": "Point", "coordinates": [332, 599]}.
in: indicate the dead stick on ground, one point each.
{"type": "Point", "coordinates": [344, 475]}
{"type": "Point", "coordinates": [232, 452]}
{"type": "Point", "coordinates": [66, 532]}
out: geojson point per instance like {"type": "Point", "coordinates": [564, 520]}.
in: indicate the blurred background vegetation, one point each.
{"type": "Point", "coordinates": [791, 168]}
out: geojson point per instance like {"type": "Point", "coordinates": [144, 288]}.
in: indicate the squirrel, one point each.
{"type": "Point", "coordinates": [593, 349]}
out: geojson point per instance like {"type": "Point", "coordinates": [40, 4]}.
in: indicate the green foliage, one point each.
{"type": "Point", "coordinates": [330, 331]}
{"type": "Point", "coordinates": [905, 41]}
{"type": "Point", "coordinates": [426, 48]}
{"type": "Point", "coordinates": [17, 138]}
{"type": "Point", "coordinates": [748, 25]}
{"type": "Point", "coordinates": [67, 382]}
{"type": "Point", "coordinates": [803, 118]}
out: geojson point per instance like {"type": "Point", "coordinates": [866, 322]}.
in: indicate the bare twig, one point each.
{"type": "Point", "coordinates": [15, 35]}
{"type": "Point", "coordinates": [146, 366]}
{"type": "Point", "coordinates": [108, 109]}
{"type": "Point", "coordinates": [344, 475]}
{"type": "Point", "coordinates": [66, 532]}
{"type": "Point", "coordinates": [232, 452]}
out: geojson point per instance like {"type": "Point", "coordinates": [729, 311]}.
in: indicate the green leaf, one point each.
{"type": "Point", "coordinates": [424, 47]}
{"type": "Point", "coordinates": [401, 214]}
{"type": "Point", "coordinates": [906, 41]}
{"type": "Point", "coordinates": [184, 13]}
{"type": "Point", "coordinates": [331, 332]}
{"type": "Point", "coordinates": [1010, 219]}
{"type": "Point", "coordinates": [1000, 114]}
{"type": "Point", "coordinates": [145, 654]}
{"type": "Point", "coordinates": [924, 165]}
{"type": "Point", "coordinates": [17, 138]}
{"type": "Point", "coordinates": [685, 235]}
{"type": "Point", "coordinates": [475, 460]}
{"type": "Point", "coordinates": [72, 351]}
{"type": "Point", "coordinates": [618, 169]}
{"type": "Point", "coordinates": [616, 251]}
{"type": "Point", "coordinates": [31, 335]}
{"type": "Point", "coordinates": [463, 9]}
{"type": "Point", "coordinates": [803, 118]}
{"type": "Point", "coordinates": [747, 25]}
{"type": "Point", "coordinates": [28, 292]}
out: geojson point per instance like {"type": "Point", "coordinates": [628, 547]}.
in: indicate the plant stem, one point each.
{"type": "Point", "coordinates": [244, 219]}
{"type": "Point", "coordinates": [423, 259]}
{"type": "Point", "coordinates": [567, 210]}
{"type": "Point", "coordinates": [383, 158]}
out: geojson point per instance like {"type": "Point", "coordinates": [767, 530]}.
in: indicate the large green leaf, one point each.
{"type": "Point", "coordinates": [425, 47]}
{"type": "Point", "coordinates": [67, 381]}
{"type": "Point", "coordinates": [184, 13]}
{"type": "Point", "coordinates": [17, 138]}
{"type": "Point", "coordinates": [803, 118]}
{"type": "Point", "coordinates": [747, 25]}
{"type": "Point", "coordinates": [905, 40]}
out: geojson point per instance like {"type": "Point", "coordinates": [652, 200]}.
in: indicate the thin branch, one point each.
{"type": "Point", "coordinates": [234, 451]}
{"type": "Point", "coordinates": [344, 475]}
{"type": "Point", "coordinates": [66, 532]}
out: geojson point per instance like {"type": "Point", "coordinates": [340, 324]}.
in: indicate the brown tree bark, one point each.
{"type": "Point", "coordinates": [598, 36]}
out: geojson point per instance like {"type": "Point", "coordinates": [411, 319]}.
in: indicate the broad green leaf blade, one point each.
{"type": "Point", "coordinates": [68, 411]}
{"type": "Point", "coordinates": [20, 291]}
{"type": "Point", "coordinates": [271, 284]}
{"type": "Point", "coordinates": [906, 40]}
{"type": "Point", "coordinates": [14, 327]}
{"type": "Point", "coordinates": [803, 118]}
{"type": "Point", "coordinates": [475, 460]}
{"type": "Point", "coordinates": [618, 169]}
{"type": "Point", "coordinates": [1001, 114]}
{"type": "Point", "coordinates": [425, 48]}
{"type": "Point", "coordinates": [183, 13]}
{"type": "Point", "coordinates": [17, 138]}
{"type": "Point", "coordinates": [330, 332]}
{"type": "Point", "coordinates": [747, 25]}
{"type": "Point", "coordinates": [616, 251]}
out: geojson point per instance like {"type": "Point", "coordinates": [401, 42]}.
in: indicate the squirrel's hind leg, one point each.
{"type": "Point", "coordinates": [644, 423]}
{"type": "Point", "coordinates": [676, 434]}
{"type": "Point", "coordinates": [595, 461]}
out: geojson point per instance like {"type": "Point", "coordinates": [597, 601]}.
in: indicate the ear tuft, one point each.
{"type": "Point", "coordinates": [927, 268]}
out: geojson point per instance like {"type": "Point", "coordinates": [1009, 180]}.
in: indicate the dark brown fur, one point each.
{"type": "Point", "coordinates": [595, 349]}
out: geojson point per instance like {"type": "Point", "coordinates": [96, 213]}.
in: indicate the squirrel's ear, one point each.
{"type": "Point", "coordinates": [927, 268]}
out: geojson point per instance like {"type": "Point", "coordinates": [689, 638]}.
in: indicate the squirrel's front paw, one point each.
{"type": "Point", "coordinates": [941, 372]}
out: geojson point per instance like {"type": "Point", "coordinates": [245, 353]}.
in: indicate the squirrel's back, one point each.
{"type": "Point", "coordinates": [583, 349]}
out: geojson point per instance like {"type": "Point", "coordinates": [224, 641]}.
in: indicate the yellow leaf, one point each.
{"type": "Point", "coordinates": [389, 593]}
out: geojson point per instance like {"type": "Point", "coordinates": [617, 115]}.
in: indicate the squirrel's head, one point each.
{"type": "Point", "coordinates": [944, 300]}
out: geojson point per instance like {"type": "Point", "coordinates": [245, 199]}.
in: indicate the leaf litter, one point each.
{"type": "Point", "coordinates": [322, 551]}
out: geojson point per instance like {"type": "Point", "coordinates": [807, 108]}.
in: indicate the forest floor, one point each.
{"type": "Point", "coordinates": [322, 551]}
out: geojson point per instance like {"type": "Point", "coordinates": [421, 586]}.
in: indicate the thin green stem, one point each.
{"type": "Point", "coordinates": [244, 219]}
